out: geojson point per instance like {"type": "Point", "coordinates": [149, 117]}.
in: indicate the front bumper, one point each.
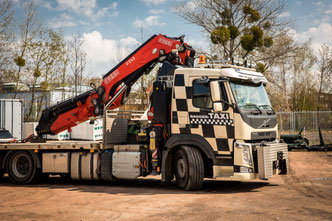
{"type": "Point", "coordinates": [266, 160]}
{"type": "Point", "coordinates": [272, 158]}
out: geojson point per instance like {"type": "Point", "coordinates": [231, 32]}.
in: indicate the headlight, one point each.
{"type": "Point", "coordinates": [246, 154]}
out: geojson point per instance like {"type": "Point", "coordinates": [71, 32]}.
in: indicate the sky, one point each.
{"type": "Point", "coordinates": [113, 28]}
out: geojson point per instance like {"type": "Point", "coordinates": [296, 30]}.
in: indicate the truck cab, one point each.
{"type": "Point", "coordinates": [224, 111]}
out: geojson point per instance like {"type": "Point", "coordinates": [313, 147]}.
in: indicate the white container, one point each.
{"type": "Point", "coordinates": [64, 135]}
{"type": "Point", "coordinates": [87, 131]}
{"type": "Point", "coordinates": [29, 128]}
{"type": "Point", "coordinates": [11, 116]}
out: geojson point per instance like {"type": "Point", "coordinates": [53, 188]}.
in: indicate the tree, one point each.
{"type": "Point", "coordinates": [325, 73]}
{"type": "Point", "coordinates": [63, 68]}
{"type": "Point", "coordinates": [276, 65]}
{"type": "Point", "coordinates": [251, 24]}
{"type": "Point", "coordinates": [6, 29]}
{"type": "Point", "coordinates": [78, 63]}
{"type": "Point", "coordinates": [6, 17]}
{"type": "Point", "coordinates": [52, 65]}
{"type": "Point", "coordinates": [28, 30]}
{"type": "Point", "coordinates": [44, 56]}
{"type": "Point", "coordinates": [303, 92]}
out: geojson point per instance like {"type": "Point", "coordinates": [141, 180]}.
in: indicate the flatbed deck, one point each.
{"type": "Point", "coordinates": [54, 145]}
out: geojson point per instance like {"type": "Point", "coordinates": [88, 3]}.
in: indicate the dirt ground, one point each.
{"type": "Point", "coordinates": [304, 194]}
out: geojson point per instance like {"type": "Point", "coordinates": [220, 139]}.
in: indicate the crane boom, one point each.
{"type": "Point", "coordinates": [110, 93]}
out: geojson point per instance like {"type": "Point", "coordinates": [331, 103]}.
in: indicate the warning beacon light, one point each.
{"type": "Point", "coordinates": [201, 59]}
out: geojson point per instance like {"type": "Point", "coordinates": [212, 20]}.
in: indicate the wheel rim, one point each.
{"type": "Point", "coordinates": [21, 165]}
{"type": "Point", "coordinates": [181, 168]}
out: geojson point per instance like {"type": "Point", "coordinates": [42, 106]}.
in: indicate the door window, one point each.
{"type": "Point", "coordinates": [201, 95]}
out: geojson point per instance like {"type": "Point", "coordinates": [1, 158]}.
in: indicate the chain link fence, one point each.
{"type": "Point", "coordinates": [311, 120]}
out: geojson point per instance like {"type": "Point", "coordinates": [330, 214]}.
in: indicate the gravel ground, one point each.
{"type": "Point", "coordinates": [304, 194]}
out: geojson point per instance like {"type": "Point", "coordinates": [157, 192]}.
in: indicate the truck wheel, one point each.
{"type": "Point", "coordinates": [189, 168]}
{"type": "Point", "coordinates": [22, 169]}
{"type": "Point", "coordinates": [2, 171]}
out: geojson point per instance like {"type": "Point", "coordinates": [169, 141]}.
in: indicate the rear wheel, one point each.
{"type": "Point", "coordinates": [2, 171]}
{"type": "Point", "coordinates": [22, 168]}
{"type": "Point", "coordinates": [189, 168]}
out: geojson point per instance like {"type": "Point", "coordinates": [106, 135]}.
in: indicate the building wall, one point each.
{"type": "Point", "coordinates": [51, 97]}
{"type": "Point", "coordinates": [11, 116]}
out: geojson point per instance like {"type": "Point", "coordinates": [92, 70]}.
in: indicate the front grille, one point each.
{"type": "Point", "coordinates": [263, 135]}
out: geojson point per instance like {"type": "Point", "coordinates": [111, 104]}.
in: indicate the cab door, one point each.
{"type": "Point", "coordinates": [217, 127]}
{"type": "Point", "coordinates": [224, 129]}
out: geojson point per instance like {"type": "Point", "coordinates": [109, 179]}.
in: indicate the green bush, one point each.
{"type": "Point", "coordinates": [220, 35]}
{"type": "Point", "coordinates": [20, 61]}
{"type": "Point", "coordinates": [268, 42]}
{"type": "Point", "coordinates": [247, 42]}
{"type": "Point", "coordinates": [234, 31]}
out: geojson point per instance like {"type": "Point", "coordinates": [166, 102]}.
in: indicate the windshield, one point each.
{"type": "Point", "coordinates": [250, 96]}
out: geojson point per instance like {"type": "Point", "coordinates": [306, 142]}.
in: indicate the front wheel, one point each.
{"type": "Point", "coordinates": [22, 168]}
{"type": "Point", "coordinates": [189, 168]}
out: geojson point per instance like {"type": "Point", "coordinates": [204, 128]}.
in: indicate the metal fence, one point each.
{"type": "Point", "coordinates": [311, 120]}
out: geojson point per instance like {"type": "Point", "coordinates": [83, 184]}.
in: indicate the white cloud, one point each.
{"type": "Point", "coordinates": [192, 5]}
{"type": "Point", "coordinates": [148, 22]}
{"type": "Point", "coordinates": [47, 5]}
{"type": "Point", "coordinates": [129, 41]}
{"type": "Point", "coordinates": [319, 3]}
{"type": "Point", "coordinates": [328, 11]}
{"type": "Point", "coordinates": [156, 11]}
{"type": "Point", "coordinates": [83, 7]}
{"type": "Point", "coordinates": [200, 43]}
{"type": "Point", "coordinates": [109, 11]}
{"type": "Point", "coordinates": [284, 14]}
{"type": "Point", "coordinates": [62, 22]}
{"type": "Point", "coordinates": [189, 6]}
{"type": "Point", "coordinates": [86, 7]}
{"type": "Point", "coordinates": [103, 53]}
{"type": "Point", "coordinates": [319, 35]}
{"type": "Point", "coordinates": [153, 2]}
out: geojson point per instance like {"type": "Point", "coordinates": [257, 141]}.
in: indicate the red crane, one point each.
{"type": "Point", "coordinates": [116, 84]}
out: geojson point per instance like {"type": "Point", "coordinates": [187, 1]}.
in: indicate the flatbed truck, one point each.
{"type": "Point", "coordinates": [209, 121]}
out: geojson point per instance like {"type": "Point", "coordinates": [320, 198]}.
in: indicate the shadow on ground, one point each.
{"type": "Point", "coordinates": [142, 186]}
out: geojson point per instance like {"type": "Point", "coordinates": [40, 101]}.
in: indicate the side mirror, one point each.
{"type": "Point", "coordinates": [218, 107]}
{"type": "Point", "coordinates": [218, 103]}
{"type": "Point", "coordinates": [215, 91]}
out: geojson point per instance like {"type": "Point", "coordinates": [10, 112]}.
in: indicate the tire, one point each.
{"type": "Point", "coordinates": [2, 171]}
{"type": "Point", "coordinates": [189, 168]}
{"type": "Point", "coordinates": [22, 168]}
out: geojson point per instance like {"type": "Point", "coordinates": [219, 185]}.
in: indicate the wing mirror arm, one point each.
{"type": "Point", "coordinates": [232, 105]}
